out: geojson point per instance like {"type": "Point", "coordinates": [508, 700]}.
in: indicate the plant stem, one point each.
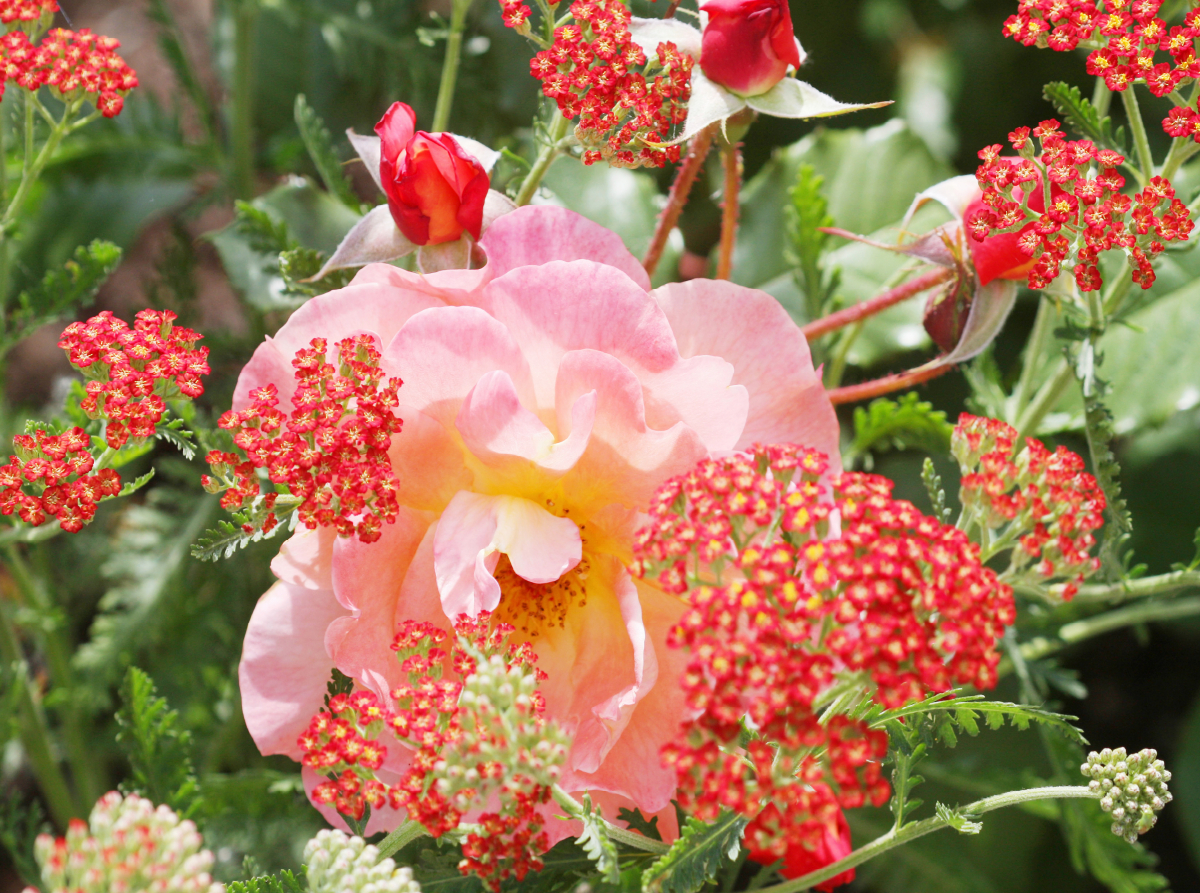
{"type": "Point", "coordinates": [897, 837]}
{"type": "Point", "coordinates": [33, 166]}
{"type": "Point", "coordinates": [841, 354]}
{"type": "Point", "coordinates": [574, 809]}
{"type": "Point", "coordinates": [1126, 590]}
{"type": "Point", "coordinates": [1043, 331]}
{"type": "Point", "coordinates": [445, 97]}
{"type": "Point", "coordinates": [886, 385]}
{"type": "Point", "coordinates": [880, 302]}
{"type": "Point", "coordinates": [1131, 615]}
{"type": "Point", "coordinates": [242, 130]}
{"type": "Point", "coordinates": [401, 837]}
{"type": "Point", "coordinates": [685, 176]}
{"type": "Point", "coordinates": [731, 159]}
{"type": "Point", "coordinates": [1101, 97]}
{"type": "Point", "coordinates": [1138, 128]}
{"type": "Point", "coordinates": [34, 731]}
{"type": "Point", "coordinates": [552, 149]}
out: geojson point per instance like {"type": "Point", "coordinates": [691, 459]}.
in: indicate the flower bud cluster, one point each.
{"type": "Point", "coordinates": [335, 862]}
{"type": "Point", "coordinates": [75, 65]}
{"type": "Point", "coordinates": [782, 610]}
{"type": "Point", "coordinates": [49, 478]}
{"type": "Point", "coordinates": [126, 845]}
{"type": "Point", "coordinates": [131, 373]}
{"type": "Point", "coordinates": [330, 453]}
{"type": "Point", "coordinates": [478, 739]}
{"type": "Point", "coordinates": [1086, 213]}
{"type": "Point", "coordinates": [627, 104]}
{"type": "Point", "coordinates": [1133, 788]}
{"type": "Point", "coordinates": [1043, 502]}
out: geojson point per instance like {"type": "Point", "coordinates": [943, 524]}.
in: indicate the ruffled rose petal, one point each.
{"type": "Point", "coordinates": [306, 559]}
{"type": "Point", "coordinates": [427, 461]}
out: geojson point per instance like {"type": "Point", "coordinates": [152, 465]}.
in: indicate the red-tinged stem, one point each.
{"type": "Point", "coordinates": [881, 302]}
{"type": "Point", "coordinates": [732, 159]}
{"type": "Point", "coordinates": [886, 385]}
{"type": "Point", "coordinates": [671, 9]}
{"type": "Point", "coordinates": [678, 196]}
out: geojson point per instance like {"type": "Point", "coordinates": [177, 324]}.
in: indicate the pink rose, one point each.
{"type": "Point", "coordinates": [546, 396]}
{"type": "Point", "coordinates": [435, 189]}
{"type": "Point", "coordinates": [748, 45]}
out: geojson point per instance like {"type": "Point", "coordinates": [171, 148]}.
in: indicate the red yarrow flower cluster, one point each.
{"type": "Point", "coordinates": [27, 13]}
{"type": "Point", "coordinates": [898, 601]}
{"type": "Point", "coordinates": [132, 372]}
{"type": "Point", "coordinates": [1087, 213]}
{"type": "Point", "coordinates": [74, 64]}
{"type": "Point", "coordinates": [1043, 501]}
{"type": "Point", "coordinates": [473, 717]}
{"type": "Point", "coordinates": [50, 478]}
{"type": "Point", "coordinates": [627, 105]}
{"type": "Point", "coordinates": [329, 453]}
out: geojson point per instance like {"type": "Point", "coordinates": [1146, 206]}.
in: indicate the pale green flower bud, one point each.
{"type": "Point", "coordinates": [338, 863]}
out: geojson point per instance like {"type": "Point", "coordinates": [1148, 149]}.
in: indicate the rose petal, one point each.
{"type": "Point", "coordinates": [370, 150]}
{"type": "Point", "coordinates": [791, 98]}
{"type": "Point", "coordinates": [374, 239]}
{"type": "Point", "coordinates": [649, 33]}
{"type": "Point", "coordinates": [710, 103]}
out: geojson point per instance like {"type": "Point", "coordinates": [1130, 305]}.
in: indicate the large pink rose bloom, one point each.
{"type": "Point", "coordinates": [545, 397]}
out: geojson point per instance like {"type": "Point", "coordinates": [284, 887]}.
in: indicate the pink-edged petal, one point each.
{"type": "Point", "coordinates": [513, 442]}
{"type": "Point", "coordinates": [428, 462]}
{"type": "Point", "coordinates": [370, 150]}
{"type": "Point", "coordinates": [306, 559]}
{"type": "Point", "coordinates": [537, 234]}
{"type": "Point", "coordinates": [442, 353]}
{"type": "Point", "coordinates": [284, 667]}
{"type": "Point", "coordinates": [699, 392]}
{"type": "Point", "coordinates": [626, 460]}
{"type": "Point", "coordinates": [367, 578]}
{"type": "Point", "coordinates": [770, 356]}
{"type": "Point", "coordinates": [378, 309]}
{"type": "Point", "coordinates": [649, 33]}
{"type": "Point", "coordinates": [374, 239]}
{"type": "Point", "coordinates": [475, 530]}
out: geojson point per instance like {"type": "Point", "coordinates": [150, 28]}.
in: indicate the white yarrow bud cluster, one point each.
{"type": "Point", "coordinates": [1133, 788]}
{"type": "Point", "coordinates": [338, 863]}
{"type": "Point", "coordinates": [127, 846]}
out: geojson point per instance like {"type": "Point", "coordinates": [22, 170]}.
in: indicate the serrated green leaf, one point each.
{"type": "Point", "coordinates": [697, 856]}
{"type": "Point", "coordinates": [75, 284]}
{"type": "Point", "coordinates": [20, 824]}
{"type": "Point", "coordinates": [807, 214]}
{"type": "Point", "coordinates": [158, 750]}
{"type": "Point", "coordinates": [597, 844]}
{"type": "Point", "coordinates": [1098, 428]}
{"type": "Point", "coordinates": [177, 434]}
{"type": "Point", "coordinates": [994, 713]}
{"type": "Point", "coordinates": [956, 820]}
{"type": "Point", "coordinates": [284, 882]}
{"type": "Point", "coordinates": [937, 493]}
{"type": "Point", "coordinates": [264, 230]}
{"type": "Point", "coordinates": [171, 44]}
{"type": "Point", "coordinates": [1082, 117]}
{"type": "Point", "coordinates": [137, 484]}
{"type": "Point", "coordinates": [898, 425]}
{"type": "Point", "coordinates": [638, 822]}
{"type": "Point", "coordinates": [316, 139]}
{"type": "Point", "coordinates": [300, 264]}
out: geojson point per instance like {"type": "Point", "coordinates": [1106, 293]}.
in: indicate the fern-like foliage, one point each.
{"type": "Point", "coordinates": [265, 231]}
{"type": "Point", "coordinates": [1082, 117]}
{"type": "Point", "coordinates": [942, 717]}
{"type": "Point", "coordinates": [937, 493]}
{"type": "Point", "coordinates": [20, 824]}
{"type": "Point", "coordinates": [597, 844]}
{"type": "Point", "coordinates": [159, 751]}
{"type": "Point", "coordinates": [284, 882]}
{"type": "Point", "coordinates": [230, 537]}
{"type": "Point", "coordinates": [638, 822]}
{"type": "Point", "coordinates": [324, 157]}
{"type": "Point", "coordinates": [899, 425]}
{"type": "Point", "coordinates": [298, 265]}
{"type": "Point", "coordinates": [807, 213]}
{"type": "Point", "coordinates": [696, 857]}
{"type": "Point", "coordinates": [1098, 427]}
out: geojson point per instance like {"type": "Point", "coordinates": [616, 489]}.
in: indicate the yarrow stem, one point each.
{"type": "Point", "coordinates": [551, 151]}
{"type": "Point", "coordinates": [731, 158]}
{"type": "Point", "coordinates": [896, 382]}
{"type": "Point", "coordinates": [895, 838]}
{"type": "Point", "coordinates": [877, 304]}
{"type": "Point", "coordinates": [1134, 114]}
{"type": "Point", "coordinates": [402, 837]}
{"type": "Point", "coordinates": [1146, 612]}
{"type": "Point", "coordinates": [685, 176]}
{"type": "Point", "coordinates": [621, 835]}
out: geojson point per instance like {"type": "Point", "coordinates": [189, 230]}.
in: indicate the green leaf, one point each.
{"type": "Point", "coordinates": [964, 712]}
{"type": "Point", "coordinates": [60, 290]}
{"type": "Point", "coordinates": [956, 820]}
{"type": "Point", "coordinates": [264, 230]}
{"type": "Point", "coordinates": [299, 264]}
{"type": "Point", "coordinates": [1082, 117]}
{"type": "Point", "coordinates": [320, 149]}
{"type": "Point", "coordinates": [227, 538]}
{"type": "Point", "coordinates": [638, 822]}
{"type": "Point", "coordinates": [696, 857]}
{"type": "Point", "coordinates": [20, 824]}
{"type": "Point", "coordinates": [158, 750]}
{"type": "Point", "coordinates": [284, 882]}
{"type": "Point", "coordinates": [171, 45]}
{"type": "Point", "coordinates": [937, 493]}
{"type": "Point", "coordinates": [806, 214]}
{"type": "Point", "coordinates": [175, 432]}
{"type": "Point", "coordinates": [339, 684]}
{"type": "Point", "coordinates": [898, 425]}
{"type": "Point", "coordinates": [136, 484]}
{"type": "Point", "coordinates": [597, 844]}
{"type": "Point", "coordinates": [1098, 427]}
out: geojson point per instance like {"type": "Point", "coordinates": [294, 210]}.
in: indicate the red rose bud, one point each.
{"type": "Point", "coordinates": [748, 45]}
{"type": "Point", "coordinates": [435, 190]}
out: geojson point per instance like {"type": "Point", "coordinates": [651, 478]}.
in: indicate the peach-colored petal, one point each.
{"type": "Point", "coordinates": [306, 559]}
{"type": "Point", "coordinates": [442, 353]}
{"type": "Point", "coordinates": [427, 461]}
{"type": "Point", "coordinates": [512, 442]}
{"type": "Point", "coordinates": [752, 331]}
{"type": "Point", "coordinates": [284, 666]}
{"type": "Point", "coordinates": [376, 309]}
{"type": "Point", "coordinates": [625, 460]}
{"type": "Point", "coordinates": [475, 530]}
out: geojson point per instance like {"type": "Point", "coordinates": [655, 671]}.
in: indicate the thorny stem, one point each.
{"type": "Point", "coordinates": [1138, 128]}
{"type": "Point", "coordinates": [897, 837]}
{"type": "Point", "coordinates": [552, 149]}
{"type": "Point", "coordinates": [685, 176]}
{"type": "Point", "coordinates": [886, 385]}
{"type": "Point", "coordinates": [1131, 615]}
{"type": "Point", "coordinates": [880, 302]}
{"type": "Point", "coordinates": [445, 97]}
{"type": "Point", "coordinates": [731, 158]}
{"type": "Point", "coordinates": [630, 838]}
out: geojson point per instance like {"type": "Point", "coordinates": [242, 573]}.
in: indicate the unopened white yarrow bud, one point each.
{"type": "Point", "coordinates": [338, 863]}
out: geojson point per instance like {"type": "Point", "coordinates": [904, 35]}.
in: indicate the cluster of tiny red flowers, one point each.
{"type": "Point", "coordinates": [898, 600]}
{"type": "Point", "coordinates": [132, 372]}
{"type": "Point", "coordinates": [1124, 37]}
{"type": "Point", "coordinates": [1044, 501]}
{"type": "Point", "coordinates": [470, 747]}
{"type": "Point", "coordinates": [74, 64]}
{"type": "Point", "coordinates": [1086, 214]}
{"type": "Point", "coordinates": [597, 73]}
{"type": "Point", "coordinates": [27, 13]}
{"type": "Point", "coordinates": [49, 478]}
{"type": "Point", "coordinates": [330, 453]}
